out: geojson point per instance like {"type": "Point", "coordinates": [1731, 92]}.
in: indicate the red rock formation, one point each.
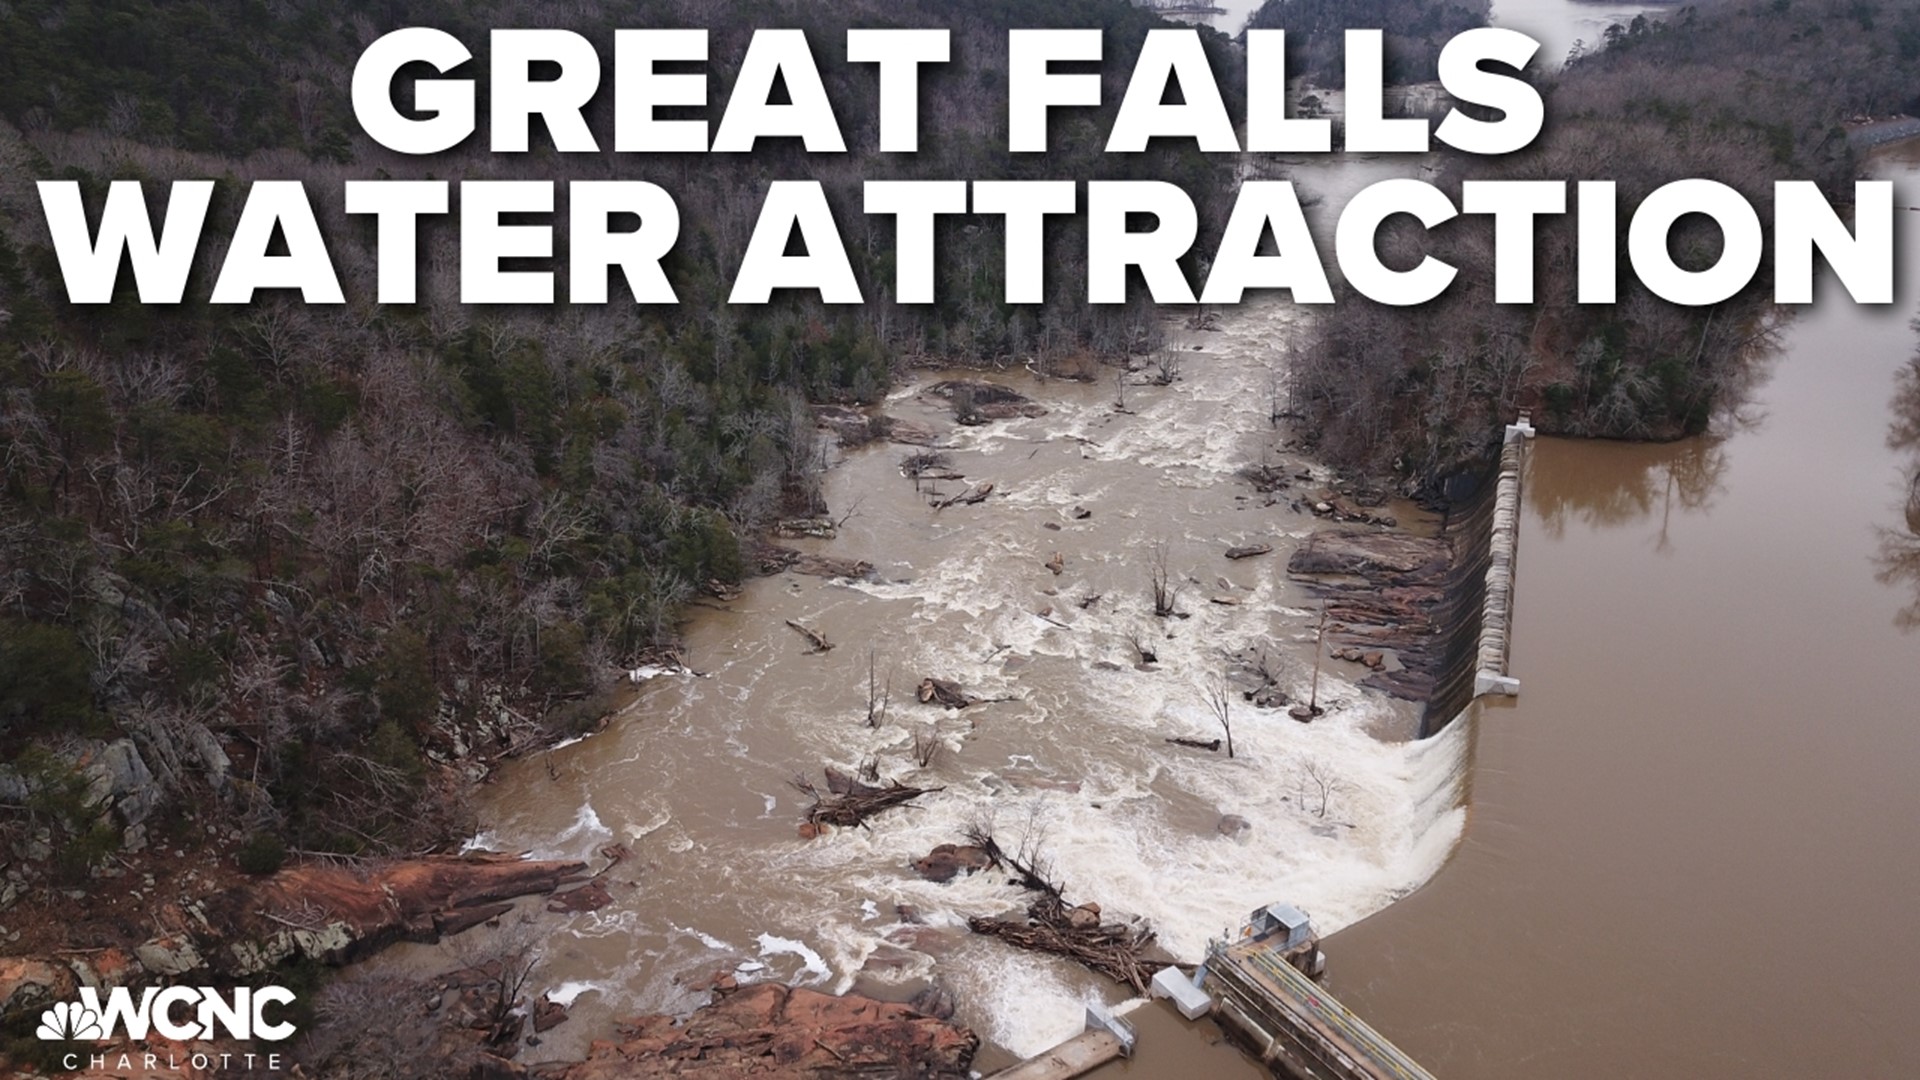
{"type": "Point", "coordinates": [779, 1033]}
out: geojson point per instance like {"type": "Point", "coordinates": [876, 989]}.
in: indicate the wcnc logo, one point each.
{"type": "Point", "coordinates": [242, 1014]}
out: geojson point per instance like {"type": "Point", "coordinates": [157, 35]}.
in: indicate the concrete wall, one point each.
{"type": "Point", "coordinates": [1496, 623]}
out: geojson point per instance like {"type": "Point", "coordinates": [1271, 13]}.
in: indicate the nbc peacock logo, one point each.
{"type": "Point", "coordinates": [70, 1021]}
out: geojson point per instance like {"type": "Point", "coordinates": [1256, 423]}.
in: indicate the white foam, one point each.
{"type": "Point", "coordinates": [812, 964]}
{"type": "Point", "coordinates": [566, 993]}
{"type": "Point", "coordinates": [586, 822]}
{"type": "Point", "coordinates": [704, 938]}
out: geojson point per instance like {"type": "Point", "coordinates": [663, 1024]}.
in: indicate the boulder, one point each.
{"type": "Point", "coordinates": [119, 780]}
{"type": "Point", "coordinates": [27, 982]}
{"type": "Point", "coordinates": [589, 897]}
{"type": "Point", "coordinates": [168, 955]}
{"type": "Point", "coordinates": [949, 861]}
{"type": "Point", "coordinates": [1232, 825]}
{"type": "Point", "coordinates": [547, 1015]}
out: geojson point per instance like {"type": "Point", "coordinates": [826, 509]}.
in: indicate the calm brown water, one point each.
{"type": "Point", "coordinates": [1694, 843]}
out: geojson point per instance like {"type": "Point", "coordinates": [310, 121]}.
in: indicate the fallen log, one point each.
{"type": "Point", "coordinates": [815, 637]}
{"type": "Point", "coordinates": [1248, 551]}
{"type": "Point", "coordinates": [976, 494]}
{"type": "Point", "coordinates": [1210, 745]}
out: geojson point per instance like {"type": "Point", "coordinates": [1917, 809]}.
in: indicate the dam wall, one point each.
{"type": "Point", "coordinates": [1483, 527]}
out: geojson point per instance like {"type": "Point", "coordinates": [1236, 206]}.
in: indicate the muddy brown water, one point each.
{"type": "Point", "coordinates": [1694, 843]}
{"type": "Point", "coordinates": [694, 777]}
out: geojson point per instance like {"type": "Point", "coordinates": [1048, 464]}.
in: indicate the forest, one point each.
{"type": "Point", "coordinates": [1746, 92]}
{"type": "Point", "coordinates": [302, 558]}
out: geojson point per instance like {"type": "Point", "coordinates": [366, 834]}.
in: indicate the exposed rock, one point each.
{"type": "Point", "coordinates": [1081, 513]}
{"type": "Point", "coordinates": [119, 780]}
{"type": "Point", "coordinates": [781, 1034]}
{"type": "Point", "coordinates": [589, 897]}
{"type": "Point", "coordinates": [805, 528]}
{"type": "Point", "coordinates": [26, 982]}
{"type": "Point", "coordinates": [1248, 551]}
{"type": "Point", "coordinates": [1266, 479]}
{"type": "Point", "coordinates": [211, 755]}
{"type": "Point", "coordinates": [977, 402]}
{"type": "Point", "coordinates": [1232, 825]}
{"type": "Point", "coordinates": [547, 1015]}
{"type": "Point", "coordinates": [851, 427]}
{"type": "Point", "coordinates": [949, 861]}
{"type": "Point", "coordinates": [934, 691]}
{"type": "Point", "coordinates": [934, 1001]}
{"type": "Point", "coordinates": [774, 559]}
{"type": "Point", "coordinates": [169, 955]}
{"type": "Point", "coordinates": [105, 968]}
{"type": "Point", "coordinates": [1360, 553]}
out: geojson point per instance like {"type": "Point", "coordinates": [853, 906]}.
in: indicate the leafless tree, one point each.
{"type": "Point", "coordinates": [1318, 786]}
{"type": "Point", "coordinates": [879, 695]}
{"type": "Point", "coordinates": [1220, 703]}
{"type": "Point", "coordinates": [927, 746]}
{"type": "Point", "coordinates": [1165, 593]}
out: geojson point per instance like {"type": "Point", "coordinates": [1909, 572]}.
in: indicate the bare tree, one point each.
{"type": "Point", "coordinates": [1220, 703]}
{"type": "Point", "coordinates": [1318, 786]}
{"type": "Point", "coordinates": [373, 1028]}
{"type": "Point", "coordinates": [879, 696]}
{"type": "Point", "coordinates": [1165, 593]}
{"type": "Point", "coordinates": [505, 964]}
{"type": "Point", "coordinates": [927, 746]}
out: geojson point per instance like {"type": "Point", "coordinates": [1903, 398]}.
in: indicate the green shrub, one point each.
{"type": "Point", "coordinates": [262, 854]}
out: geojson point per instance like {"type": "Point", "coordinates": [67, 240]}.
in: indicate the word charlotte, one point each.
{"type": "Point", "coordinates": [444, 116]}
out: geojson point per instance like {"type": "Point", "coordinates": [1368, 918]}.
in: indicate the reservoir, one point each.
{"type": "Point", "coordinates": [1694, 839]}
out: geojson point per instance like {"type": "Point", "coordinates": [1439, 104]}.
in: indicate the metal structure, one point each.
{"type": "Point", "coordinates": [1265, 997]}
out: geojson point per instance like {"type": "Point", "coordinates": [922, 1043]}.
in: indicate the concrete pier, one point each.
{"type": "Point", "coordinates": [1106, 1038]}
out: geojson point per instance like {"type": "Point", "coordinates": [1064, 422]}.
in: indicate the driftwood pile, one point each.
{"type": "Point", "coordinates": [1077, 932]}
{"type": "Point", "coordinates": [850, 801]}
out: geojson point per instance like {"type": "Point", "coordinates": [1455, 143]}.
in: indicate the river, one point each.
{"type": "Point", "coordinates": [694, 777]}
{"type": "Point", "coordinates": [1685, 850]}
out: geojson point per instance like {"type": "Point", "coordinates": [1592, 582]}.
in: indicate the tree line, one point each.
{"type": "Point", "coordinates": [1745, 92]}
{"type": "Point", "coordinates": [300, 554]}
